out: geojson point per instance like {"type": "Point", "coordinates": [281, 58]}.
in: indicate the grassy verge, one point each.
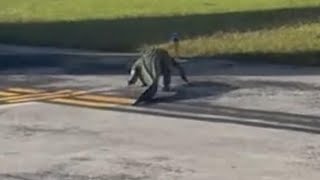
{"type": "Point", "coordinates": [75, 10]}
{"type": "Point", "coordinates": [281, 30]}
{"type": "Point", "coordinates": [287, 44]}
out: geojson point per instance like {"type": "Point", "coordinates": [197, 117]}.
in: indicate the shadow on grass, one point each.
{"type": "Point", "coordinates": [130, 33]}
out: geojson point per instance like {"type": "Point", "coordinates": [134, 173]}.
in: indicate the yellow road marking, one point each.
{"type": "Point", "coordinates": [85, 96]}
{"type": "Point", "coordinates": [3, 93]}
{"type": "Point", "coordinates": [109, 99]}
{"type": "Point", "coordinates": [25, 90]}
{"type": "Point", "coordinates": [82, 103]}
{"type": "Point", "coordinates": [79, 98]}
{"type": "Point", "coordinates": [34, 97]}
{"type": "Point", "coordinates": [61, 94]}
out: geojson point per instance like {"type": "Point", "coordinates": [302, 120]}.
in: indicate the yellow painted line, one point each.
{"type": "Point", "coordinates": [25, 90]}
{"type": "Point", "coordinates": [36, 97]}
{"type": "Point", "coordinates": [56, 95]}
{"type": "Point", "coordinates": [83, 103]}
{"type": "Point", "coordinates": [24, 96]}
{"type": "Point", "coordinates": [108, 99]}
{"type": "Point", "coordinates": [79, 98]}
{"type": "Point", "coordinates": [4, 93]}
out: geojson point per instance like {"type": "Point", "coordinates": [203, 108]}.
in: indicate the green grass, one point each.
{"type": "Point", "coordinates": [259, 28]}
{"type": "Point", "coordinates": [57, 10]}
{"type": "Point", "coordinates": [285, 39]}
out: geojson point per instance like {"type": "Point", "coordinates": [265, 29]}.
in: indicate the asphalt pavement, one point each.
{"type": "Point", "coordinates": [67, 114]}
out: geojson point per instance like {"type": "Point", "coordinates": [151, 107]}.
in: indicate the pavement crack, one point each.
{"type": "Point", "coordinates": [13, 177]}
{"type": "Point", "coordinates": [47, 175]}
{"type": "Point", "coordinates": [32, 130]}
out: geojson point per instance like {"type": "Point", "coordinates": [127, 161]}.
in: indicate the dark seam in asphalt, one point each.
{"type": "Point", "coordinates": [306, 128]}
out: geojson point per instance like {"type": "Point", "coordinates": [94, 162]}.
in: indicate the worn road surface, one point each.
{"type": "Point", "coordinates": [237, 121]}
